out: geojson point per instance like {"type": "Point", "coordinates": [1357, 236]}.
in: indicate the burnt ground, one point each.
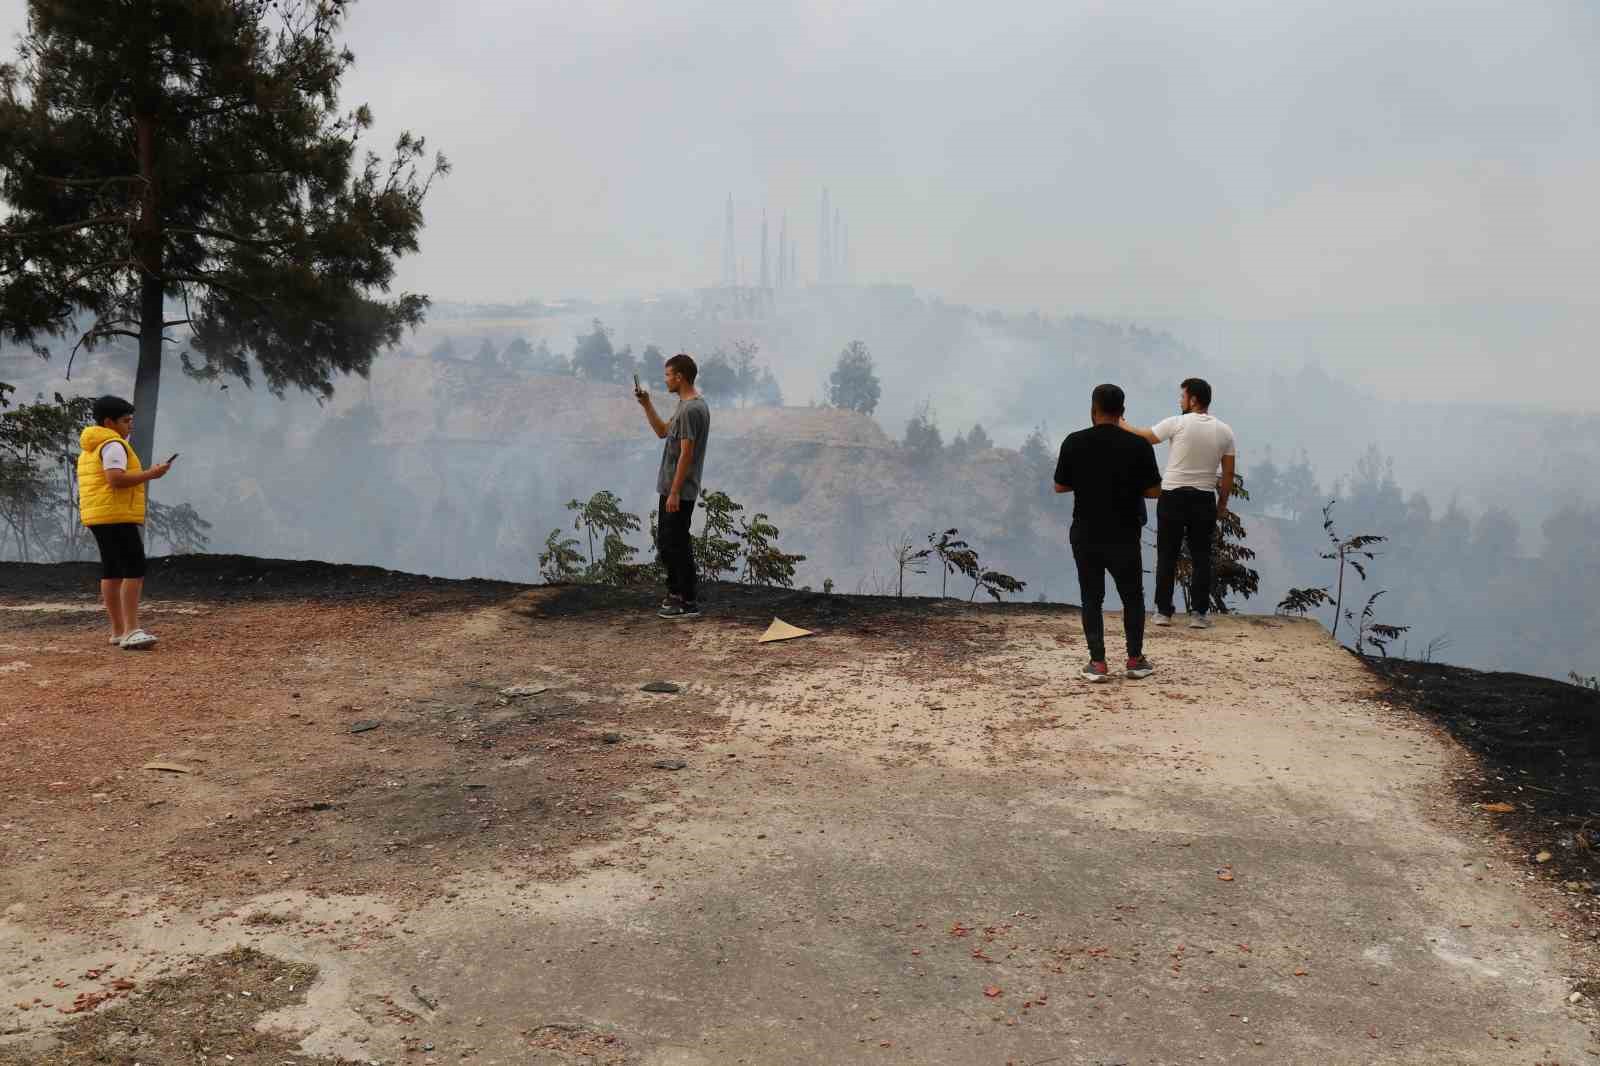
{"type": "Point", "coordinates": [747, 603]}
{"type": "Point", "coordinates": [256, 692]}
{"type": "Point", "coordinates": [1537, 743]}
{"type": "Point", "coordinates": [243, 579]}
{"type": "Point", "coordinates": [223, 579]}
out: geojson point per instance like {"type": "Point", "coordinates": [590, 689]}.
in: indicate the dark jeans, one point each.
{"type": "Point", "coordinates": [1185, 515]}
{"type": "Point", "coordinates": [677, 553]}
{"type": "Point", "coordinates": [1125, 561]}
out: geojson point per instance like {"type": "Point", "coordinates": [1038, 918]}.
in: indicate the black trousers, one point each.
{"type": "Point", "coordinates": [1125, 562]}
{"type": "Point", "coordinates": [677, 551]}
{"type": "Point", "coordinates": [1185, 516]}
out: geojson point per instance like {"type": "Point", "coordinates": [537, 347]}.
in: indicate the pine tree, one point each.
{"type": "Point", "coordinates": [853, 384]}
{"type": "Point", "coordinates": [717, 379]}
{"type": "Point", "coordinates": [594, 358]}
{"type": "Point", "coordinates": [518, 355]}
{"type": "Point", "coordinates": [923, 439]}
{"type": "Point", "coordinates": [184, 163]}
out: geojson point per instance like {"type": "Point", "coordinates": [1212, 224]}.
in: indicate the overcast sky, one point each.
{"type": "Point", "coordinates": [1408, 193]}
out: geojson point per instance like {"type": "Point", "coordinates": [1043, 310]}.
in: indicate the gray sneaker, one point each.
{"type": "Point", "coordinates": [1161, 619]}
{"type": "Point", "coordinates": [1199, 621]}
{"type": "Point", "coordinates": [1140, 668]}
{"type": "Point", "coordinates": [1096, 673]}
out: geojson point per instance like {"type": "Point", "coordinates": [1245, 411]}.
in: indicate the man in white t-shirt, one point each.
{"type": "Point", "coordinates": [1193, 496]}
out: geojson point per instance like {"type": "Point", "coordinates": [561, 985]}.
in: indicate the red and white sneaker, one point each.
{"type": "Point", "coordinates": [1096, 672]}
{"type": "Point", "coordinates": [1139, 667]}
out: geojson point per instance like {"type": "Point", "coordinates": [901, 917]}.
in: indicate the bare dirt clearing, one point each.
{"type": "Point", "coordinates": [913, 836]}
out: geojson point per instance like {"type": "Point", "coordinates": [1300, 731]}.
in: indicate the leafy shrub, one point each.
{"type": "Point", "coordinates": [727, 544]}
{"type": "Point", "coordinates": [764, 562]}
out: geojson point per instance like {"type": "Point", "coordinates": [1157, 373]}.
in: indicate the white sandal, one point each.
{"type": "Point", "coordinates": [136, 640]}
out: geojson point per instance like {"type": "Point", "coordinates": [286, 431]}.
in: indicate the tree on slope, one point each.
{"type": "Point", "coordinates": [183, 164]}
{"type": "Point", "coordinates": [853, 383]}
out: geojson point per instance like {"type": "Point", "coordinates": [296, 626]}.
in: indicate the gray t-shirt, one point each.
{"type": "Point", "coordinates": [691, 421]}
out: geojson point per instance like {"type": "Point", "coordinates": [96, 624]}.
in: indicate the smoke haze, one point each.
{"type": "Point", "coordinates": [1404, 194]}
{"type": "Point", "coordinates": [1367, 226]}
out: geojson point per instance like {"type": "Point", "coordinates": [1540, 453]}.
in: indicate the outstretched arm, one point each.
{"type": "Point", "coordinates": [1141, 433]}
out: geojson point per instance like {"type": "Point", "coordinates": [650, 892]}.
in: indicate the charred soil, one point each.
{"type": "Point", "coordinates": [1537, 771]}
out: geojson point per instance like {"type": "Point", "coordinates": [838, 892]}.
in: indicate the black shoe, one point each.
{"type": "Point", "coordinates": [680, 610]}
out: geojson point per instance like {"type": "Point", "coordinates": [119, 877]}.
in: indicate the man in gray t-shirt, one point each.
{"type": "Point", "coordinates": [683, 460]}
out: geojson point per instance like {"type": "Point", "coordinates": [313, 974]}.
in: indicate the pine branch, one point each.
{"type": "Point", "coordinates": [96, 268]}
{"type": "Point", "coordinates": [90, 183]}
{"type": "Point", "coordinates": [231, 290]}
{"type": "Point", "coordinates": [223, 235]}
{"type": "Point", "coordinates": [71, 227]}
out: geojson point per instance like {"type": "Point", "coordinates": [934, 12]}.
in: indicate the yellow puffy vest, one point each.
{"type": "Point", "coordinates": [98, 503]}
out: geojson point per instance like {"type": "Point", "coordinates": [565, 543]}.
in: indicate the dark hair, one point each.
{"type": "Point", "coordinates": [684, 365]}
{"type": "Point", "coordinates": [110, 407]}
{"type": "Point", "coordinates": [1109, 399]}
{"type": "Point", "coordinates": [1198, 391]}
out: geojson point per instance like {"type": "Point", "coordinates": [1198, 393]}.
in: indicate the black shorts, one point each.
{"type": "Point", "coordinates": [121, 550]}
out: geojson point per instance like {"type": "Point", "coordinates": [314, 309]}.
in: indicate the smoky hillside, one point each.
{"type": "Point", "coordinates": [458, 455]}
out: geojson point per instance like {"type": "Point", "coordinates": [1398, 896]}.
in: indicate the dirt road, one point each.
{"type": "Point", "coordinates": [915, 837]}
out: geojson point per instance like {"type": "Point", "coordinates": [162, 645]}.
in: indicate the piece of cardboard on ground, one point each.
{"type": "Point", "coordinates": [781, 630]}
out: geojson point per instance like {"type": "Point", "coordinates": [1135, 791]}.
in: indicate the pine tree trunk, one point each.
{"type": "Point", "coordinates": [147, 252]}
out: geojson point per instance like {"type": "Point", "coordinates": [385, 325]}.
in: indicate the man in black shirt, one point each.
{"type": "Point", "coordinates": [1110, 473]}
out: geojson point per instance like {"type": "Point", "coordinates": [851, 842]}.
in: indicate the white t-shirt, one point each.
{"type": "Point", "coordinates": [114, 456]}
{"type": "Point", "coordinates": [1198, 444]}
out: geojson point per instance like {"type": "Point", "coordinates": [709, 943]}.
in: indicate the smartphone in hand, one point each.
{"type": "Point", "coordinates": [638, 390]}
{"type": "Point", "coordinates": [174, 456]}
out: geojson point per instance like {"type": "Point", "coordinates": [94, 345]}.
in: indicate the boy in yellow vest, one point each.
{"type": "Point", "coordinates": [111, 500]}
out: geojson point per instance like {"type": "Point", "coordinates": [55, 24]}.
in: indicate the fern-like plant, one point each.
{"type": "Point", "coordinates": [1370, 631]}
